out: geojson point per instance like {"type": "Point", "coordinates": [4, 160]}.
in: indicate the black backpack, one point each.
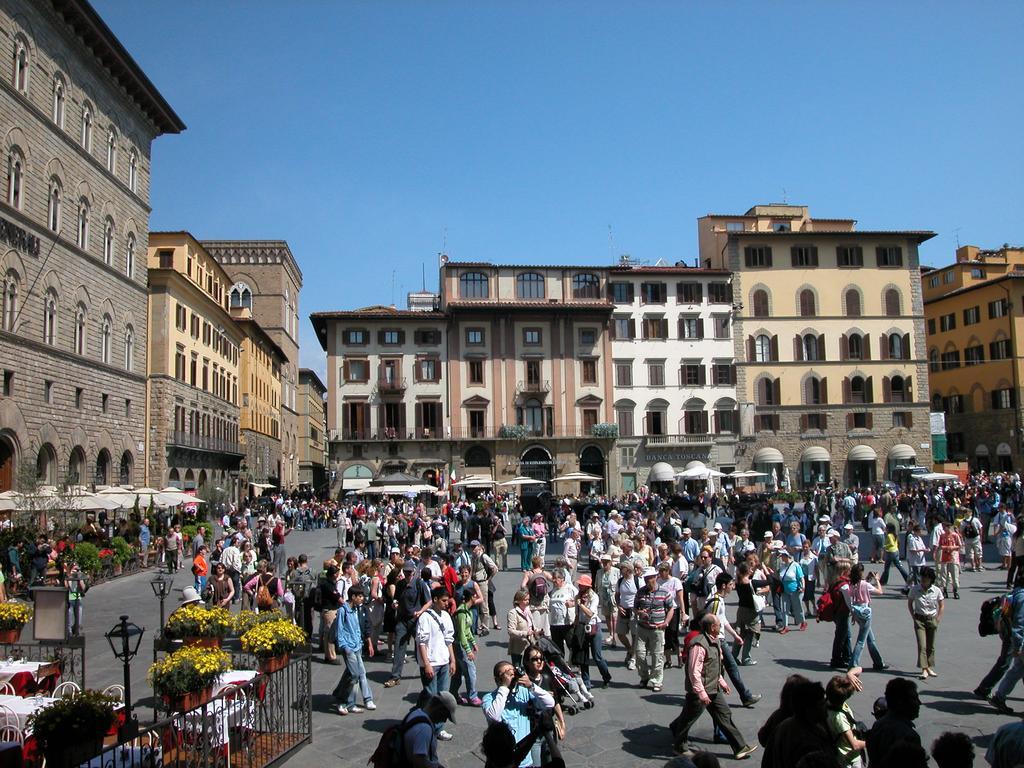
{"type": "Point", "coordinates": [990, 616]}
{"type": "Point", "coordinates": [390, 751]}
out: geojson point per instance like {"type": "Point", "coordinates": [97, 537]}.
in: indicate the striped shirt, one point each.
{"type": "Point", "coordinates": [652, 606]}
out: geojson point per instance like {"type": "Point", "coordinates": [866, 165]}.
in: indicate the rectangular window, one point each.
{"type": "Point", "coordinates": [428, 337]}
{"type": "Point", "coordinates": [900, 419]}
{"type": "Point", "coordinates": [622, 293]}
{"type": "Point", "coordinates": [725, 421]}
{"type": "Point", "coordinates": [355, 336]}
{"type": "Point", "coordinates": [127, 408]}
{"type": "Point", "coordinates": [997, 308]}
{"type": "Point", "coordinates": [655, 328]}
{"type": "Point", "coordinates": [79, 392]}
{"type": "Point", "coordinates": [1003, 399]}
{"type": "Point", "coordinates": [950, 360]}
{"type": "Point", "coordinates": [104, 401]}
{"type": "Point", "coordinates": [931, 326]}
{"type": "Point", "coordinates": [757, 256]}
{"type": "Point", "coordinates": [972, 315]}
{"type": "Point", "coordinates": [624, 374]}
{"type": "Point", "coordinates": [689, 293]}
{"type": "Point", "coordinates": [8, 383]}
{"type": "Point", "coordinates": [691, 375]}
{"type": "Point", "coordinates": [623, 328]}
{"type": "Point", "coordinates": [179, 363]}
{"type": "Point", "coordinates": [999, 350]}
{"type": "Point", "coordinates": [850, 256]}
{"type": "Point", "coordinates": [656, 374]}
{"type": "Point", "coordinates": [474, 336]}
{"type": "Point", "coordinates": [691, 328]}
{"type": "Point", "coordinates": [933, 281]}
{"type": "Point", "coordinates": [656, 422]}
{"type": "Point", "coordinates": [624, 418]}
{"type": "Point", "coordinates": [391, 337]}
{"type": "Point", "coordinates": [589, 419]}
{"type": "Point", "coordinates": [860, 420]}
{"type": "Point", "coordinates": [166, 258]}
{"type": "Point", "coordinates": [947, 276]}
{"type": "Point", "coordinates": [588, 337]}
{"type": "Point", "coordinates": [476, 371]}
{"type": "Point", "coordinates": [653, 293]}
{"type": "Point", "coordinates": [974, 355]}
{"type": "Point", "coordinates": [816, 421]}
{"type": "Point", "coordinates": [724, 374]}
{"type": "Point", "coordinates": [358, 370]}
{"type": "Point", "coordinates": [533, 373]}
{"type": "Point", "coordinates": [531, 337]}
{"type": "Point", "coordinates": [977, 273]}
{"type": "Point", "coordinates": [722, 326]}
{"type": "Point", "coordinates": [889, 256]}
{"type": "Point", "coordinates": [734, 226]}
{"type": "Point", "coordinates": [719, 293]}
{"type": "Point", "coordinates": [427, 369]}
{"type": "Point", "coordinates": [48, 392]}
{"type": "Point", "coordinates": [804, 256]}
{"type": "Point", "coordinates": [947, 322]}
{"type": "Point", "coordinates": [588, 371]}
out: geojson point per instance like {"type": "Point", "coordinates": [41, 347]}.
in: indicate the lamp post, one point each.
{"type": "Point", "coordinates": [124, 639]}
{"type": "Point", "coordinates": [161, 586]}
{"type": "Point", "coordinates": [298, 588]}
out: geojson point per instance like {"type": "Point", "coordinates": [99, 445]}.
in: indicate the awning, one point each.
{"type": "Point", "coordinates": [261, 486]}
{"type": "Point", "coordinates": [662, 472]}
{"type": "Point", "coordinates": [862, 453]}
{"type": "Point", "coordinates": [815, 453]}
{"type": "Point", "coordinates": [768, 456]}
{"type": "Point", "coordinates": [901, 452]}
{"type": "Point", "coordinates": [696, 465]}
{"type": "Point", "coordinates": [981, 450]}
{"type": "Point", "coordinates": [1003, 450]}
{"type": "Point", "coordinates": [354, 483]}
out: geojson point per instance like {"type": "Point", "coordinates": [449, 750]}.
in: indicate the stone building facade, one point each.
{"type": "Point", "coordinates": [828, 333]}
{"type": "Point", "coordinates": [267, 280]}
{"type": "Point", "coordinates": [194, 359]}
{"type": "Point", "coordinates": [313, 433]}
{"type": "Point", "coordinates": [77, 119]}
{"type": "Point", "coordinates": [260, 412]}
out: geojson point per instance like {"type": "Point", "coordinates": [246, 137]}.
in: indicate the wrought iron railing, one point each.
{"type": "Point", "coordinates": [70, 654]}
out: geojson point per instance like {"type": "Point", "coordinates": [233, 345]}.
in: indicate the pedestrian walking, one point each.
{"type": "Point", "coordinates": [349, 639]}
{"type": "Point", "coordinates": [925, 603]}
{"type": "Point", "coordinates": [465, 650]}
{"type": "Point", "coordinates": [654, 608]}
{"type": "Point", "coordinates": [791, 575]}
{"type": "Point", "coordinates": [1013, 615]}
{"type": "Point", "coordinates": [588, 620]}
{"type": "Point", "coordinates": [857, 594]}
{"type": "Point", "coordinates": [435, 637]}
{"type": "Point", "coordinates": [483, 569]}
{"type": "Point", "coordinates": [950, 543]}
{"type": "Point", "coordinates": [891, 555]}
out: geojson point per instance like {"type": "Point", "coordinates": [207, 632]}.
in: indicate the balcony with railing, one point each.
{"type": "Point", "coordinates": [394, 385]}
{"type": "Point", "coordinates": [204, 443]}
{"type": "Point", "coordinates": [507, 432]}
{"type": "Point", "coordinates": [678, 439]}
{"type": "Point", "coordinates": [534, 387]}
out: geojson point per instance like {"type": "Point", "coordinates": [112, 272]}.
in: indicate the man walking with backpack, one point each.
{"type": "Point", "coordinates": [970, 528]}
{"type": "Point", "coordinates": [413, 742]}
{"type": "Point", "coordinates": [413, 600]}
{"type": "Point", "coordinates": [1013, 616]}
{"type": "Point", "coordinates": [832, 607]}
{"type": "Point", "coordinates": [435, 636]}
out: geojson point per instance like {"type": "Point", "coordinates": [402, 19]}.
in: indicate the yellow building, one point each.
{"type": "Point", "coordinates": [192, 383]}
{"type": "Point", "coordinates": [260, 377]}
{"type": "Point", "coordinates": [974, 356]}
{"type": "Point", "coordinates": [312, 430]}
{"type": "Point", "coordinates": [828, 335]}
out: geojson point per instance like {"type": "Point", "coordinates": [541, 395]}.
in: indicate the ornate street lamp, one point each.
{"type": "Point", "coordinates": [161, 585]}
{"type": "Point", "coordinates": [124, 639]}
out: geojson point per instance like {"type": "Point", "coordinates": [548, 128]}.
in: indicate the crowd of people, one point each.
{"type": "Point", "coordinates": [652, 578]}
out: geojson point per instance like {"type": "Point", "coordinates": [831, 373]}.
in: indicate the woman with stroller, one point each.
{"type": "Point", "coordinates": [587, 635]}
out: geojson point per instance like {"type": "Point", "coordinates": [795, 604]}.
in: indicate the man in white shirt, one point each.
{"type": "Point", "coordinates": [435, 634]}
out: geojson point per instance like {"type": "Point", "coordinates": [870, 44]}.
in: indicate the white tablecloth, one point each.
{"type": "Point", "coordinates": [22, 708]}
{"type": "Point", "coordinates": [10, 669]}
{"type": "Point", "coordinates": [237, 677]}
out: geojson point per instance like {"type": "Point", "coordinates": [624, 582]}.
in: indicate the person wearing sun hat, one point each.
{"type": "Point", "coordinates": [588, 617]}
{"type": "Point", "coordinates": [654, 607]}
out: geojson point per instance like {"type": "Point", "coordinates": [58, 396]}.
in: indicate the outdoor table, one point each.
{"type": "Point", "coordinates": [237, 677]}
{"type": "Point", "coordinates": [29, 677]}
{"type": "Point", "coordinates": [24, 707]}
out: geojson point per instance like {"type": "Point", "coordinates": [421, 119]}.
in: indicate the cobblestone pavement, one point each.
{"type": "Point", "coordinates": [628, 726]}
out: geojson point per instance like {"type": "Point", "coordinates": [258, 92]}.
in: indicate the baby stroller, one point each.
{"type": "Point", "coordinates": [570, 690]}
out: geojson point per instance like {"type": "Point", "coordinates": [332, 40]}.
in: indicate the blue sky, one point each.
{"type": "Point", "coordinates": [369, 134]}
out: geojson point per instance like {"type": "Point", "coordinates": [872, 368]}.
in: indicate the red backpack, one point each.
{"type": "Point", "coordinates": [831, 602]}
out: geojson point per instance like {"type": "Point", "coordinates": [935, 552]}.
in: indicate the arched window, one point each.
{"type": "Point", "coordinates": [15, 179]}
{"type": "Point", "coordinates": [810, 345]}
{"type": "Point", "coordinates": [936, 402]}
{"type": "Point", "coordinates": [530, 285]}
{"type": "Point", "coordinates": [853, 303]}
{"type": "Point", "coordinates": [760, 302]}
{"type": "Point", "coordinates": [241, 296]}
{"type": "Point", "coordinates": [766, 394]}
{"type": "Point", "coordinates": [105, 324]}
{"type": "Point", "coordinates": [129, 348]}
{"type": "Point", "coordinates": [125, 474]}
{"type": "Point", "coordinates": [76, 466]}
{"type": "Point", "coordinates": [50, 317]}
{"type": "Point", "coordinates": [102, 473]}
{"type": "Point", "coordinates": [20, 74]}
{"type": "Point", "coordinates": [108, 242]}
{"type": "Point", "coordinates": [891, 302]}
{"type": "Point", "coordinates": [856, 346]}
{"type": "Point", "coordinates": [896, 350]}
{"type": "Point", "coordinates": [133, 170]}
{"type": "Point", "coordinates": [87, 126]}
{"type": "Point", "coordinates": [10, 308]}
{"type": "Point", "coordinates": [933, 360]}
{"type": "Point", "coordinates": [112, 150]}
{"type": "Point", "coordinates": [80, 319]}
{"type": "Point", "coordinates": [898, 389]}
{"type": "Point", "coordinates": [807, 308]}
{"type": "Point", "coordinates": [129, 255]}
{"type": "Point", "coordinates": [59, 99]}
{"type": "Point", "coordinates": [53, 216]}
{"type": "Point", "coordinates": [473, 285]}
{"type": "Point", "coordinates": [82, 237]}
{"type": "Point", "coordinates": [763, 349]}
{"type": "Point", "coordinates": [585, 286]}
{"type": "Point", "coordinates": [858, 390]}
{"type": "Point", "coordinates": [812, 391]}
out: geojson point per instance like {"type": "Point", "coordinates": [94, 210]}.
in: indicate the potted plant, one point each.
{"type": "Point", "coordinates": [244, 620]}
{"type": "Point", "coordinates": [70, 731]}
{"type": "Point", "coordinates": [184, 679]}
{"type": "Point", "coordinates": [197, 625]}
{"type": "Point", "coordinates": [271, 642]}
{"type": "Point", "coordinates": [122, 553]}
{"type": "Point", "coordinates": [88, 557]}
{"type": "Point", "coordinates": [13, 618]}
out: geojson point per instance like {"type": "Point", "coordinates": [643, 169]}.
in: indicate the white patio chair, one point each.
{"type": "Point", "coordinates": [8, 717]}
{"type": "Point", "coordinates": [65, 690]}
{"type": "Point", "coordinates": [11, 733]}
{"type": "Point", "coordinates": [115, 692]}
{"type": "Point", "coordinates": [7, 690]}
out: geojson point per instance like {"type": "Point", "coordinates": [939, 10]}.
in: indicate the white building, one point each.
{"type": "Point", "coordinates": [674, 372]}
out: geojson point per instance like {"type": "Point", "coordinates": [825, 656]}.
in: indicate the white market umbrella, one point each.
{"type": "Point", "coordinates": [577, 477]}
{"type": "Point", "coordinates": [936, 476]}
{"type": "Point", "coordinates": [748, 473]}
{"type": "Point", "coordinates": [173, 497]}
{"type": "Point", "coordinates": [775, 477]}
{"type": "Point", "coordinates": [699, 473]}
{"type": "Point", "coordinates": [785, 477]}
{"type": "Point", "coordinates": [710, 488]}
{"type": "Point", "coordinates": [517, 481]}
{"type": "Point", "coordinates": [474, 481]}
{"type": "Point", "coordinates": [88, 501]}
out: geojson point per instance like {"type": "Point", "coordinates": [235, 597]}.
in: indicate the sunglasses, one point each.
{"type": "Point", "coordinates": [536, 658]}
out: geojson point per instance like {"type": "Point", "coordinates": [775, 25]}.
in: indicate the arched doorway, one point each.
{"type": "Point", "coordinates": [202, 479]}
{"type": "Point", "coordinates": [7, 463]}
{"type": "Point", "coordinates": [592, 462]}
{"type": "Point", "coordinates": [102, 474]}
{"type": "Point", "coordinates": [46, 465]}
{"type": "Point", "coordinates": [76, 466]}
{"type": "Point", "coordinates": [536, 463]}
{"type": "Point", "coordinates": [174, 479]}
{"type": "Point", "coordinates": [124, 477]}
{"type": "Point", "coordinates": [477, 457]}
{"type": "Point", "coordinates": [190, 480]}
{"type": "Point", "coordinates": [430, 477]}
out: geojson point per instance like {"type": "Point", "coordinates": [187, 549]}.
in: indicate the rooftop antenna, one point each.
{"type": "Point", "coordinates": [611, 243]}
{"type": "Point", "coordinates": [785, 200]}
{"type": "Point", "coordinates": [957, 233]}
{"type": "Point", "coordinates": [423, 276]}
{"type": "Point", "coordinates": [392, 287]}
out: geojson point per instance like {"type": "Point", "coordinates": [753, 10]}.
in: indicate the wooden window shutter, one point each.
{"type": "Point", "coordinates": [886, 389]}
{"type": "Point", "coordinates": [344, 420]}
{"type": "Point", "coordinates": [681, 297]}
{"type": "Point", "coordinates": [680, 328]}
{"type": "Point", "coordinates": [698, 296]}
{"type": "Point", "coordinates": [777, 391]}
{"type": "Point", "coordinates": [700, 327]}
{"type": "Point", "coordinates": [714, 422]}
{"type": "Point", "coordinates": [703, 422]}
{"type": "Point", "coordinates": [844, 347]}
{"type": "Point", "coordinates": [702, 375]}
{"type": "Point", "coordinates": [401, 337]}
{"type": "Point", "coordinates": [663, 325]}
{"type": "Point", "coordinates": [775, 348]}
{"type": "Point", "coordinates": [867, 346]}
{"type": "Point", "coordinates": [419, 417]}
{"type": "Point", "coordinates": [611, 331]}
{"type": "Point", "coordinates": [750, 349]}
{"type": "Point", "coordinates": [849, 422]}
{"type": "Point", "coordinates": [803, 417]}
{"type": "Point", "coordinates": [808, 391]}
{"type": "Point", "coordinates": [821, 347]}
{"type": "Point", "coordinates": [869, 389]}
{"type": "Point", "coordinates": [344, 371]}
{"type": "Point", "coordinates": [380, 337]}
{"type": "Point", "coordinates": [417, 337]}
{"type": "Point", "coordinates": [798, 348]}
{"type": "Point", "coordinates": [846, 390]}
{"type": "Point", "coordinates": [632, 328]}
{"type": "Point", "coordinates": [908, 389]}
{"type": "Point", "coordinates": [883, 347]}
{"type": "Point", "coordinates": [793, 256]}
{"type": "Point", "coordinates": [869, 420]}
{"type": "Point", "coordinates": [909, 419]}
{"type": "Point", "coordinates": [732, 374]}
{"type": "Point", "coordinates": [906, 347]}
{"type": "Point", "coordinates": [824, 390]}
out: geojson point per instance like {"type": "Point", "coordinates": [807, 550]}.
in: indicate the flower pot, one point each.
{"type": "Point", "coordinates": [271, 664]}
{"type": "Point", "coordinates": [188, 701]}
{"type": "Point", "coordinates": [117, 569]}
{"type": "Point", "coordinates": [71, 755]}
{"type": "Point", "coordinates": [8, 636]}
{"type": "Point", "coordinates": [202, 642]}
